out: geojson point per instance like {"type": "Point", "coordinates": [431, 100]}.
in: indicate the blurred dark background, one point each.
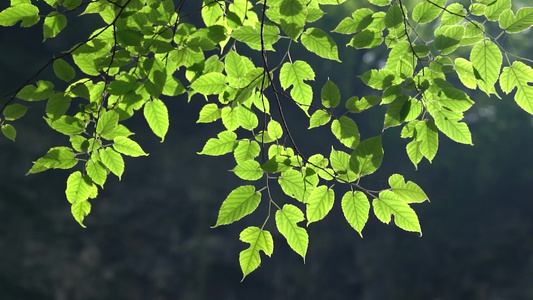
{"type": "Point", "coordinates": [149, 236]}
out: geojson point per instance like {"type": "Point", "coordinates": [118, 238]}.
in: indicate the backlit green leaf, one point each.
{"type": "Point", "coordinates": [224, 143]}
{"type": "Point", "coordinates": [43, 90]}
{"type": "Point", "coordinates": [367, 157]}
{"type": "Point", "coordinates": [107, 122]}
{"type": "Point", "coordinates": [156, 114]}
{"type": "Point", "coordinates": [210, 84]}
{"type": "Point", "coordinates": [246, 150]}
{"type": "Point", "coordinates": [79, 187]}
{"type": "Point", "coordinates": [96, 170]}
{"type": "Point", "coordinates": [293, 185]}
{"type": "Point", "coordinates": [519, 75]}
{"type": "Point", "coordinates": [241, 202]}
{"type": "Point", "coordinates": [346, 131]}
{"type": "Point", "coordinates": [330, 95]}
{"type": "Point", "coordinates": [319, 204]}
{"type": "Point", "coordinates": [9, 131]}
{"type": "Point", "coordinates": [248, 170]}
{"type": "Point", "coordinates": [389, 204]}
{"type": "Point", "coordinates": [57, 106]}
{"type": "Point", "coordinates": [26, 12]}
{"type": "Point", "coordinates": [209, 113]}
{"type": "Point", "coordinates": [112, 160]}
{"type": "Point", "coordinates": [319, 118]}
{"type": "Point", "coordinates": [522, 21]}
{"type": "Point", "coordinates": [287, 219]}
{"type": "Point", "coordinates": [259, 240]}
{"type": "Point", "coordinates": [320, 43]}
{"type": "Point", "coordinates": [427, 11]}
{"type": "Point", "coordinates": [409, 192]}
{"type": "Point", "coordinates": [292, 17]}
{"type": "Point", "coordinates": [355, 207]}
{"type": "Point", "coordinates": [53, 24]}
{"type": "Point", "coordinates": [128, 147]}
{"type": "Point", "coordinates": [63, 70]}
{"type": "Point", "coordinates": [486, 59]}
{"type": "Point", "coordinates": [80, 210]}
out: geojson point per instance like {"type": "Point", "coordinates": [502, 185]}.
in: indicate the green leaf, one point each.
{"type": "Point", "coordinates": [320, 43]}
{"type": "Point", "coordinates": [486, 59]}
{"type": "Point", "coordinates": [14, 111]}
{"type": "Point", "coordinates": [355, 207]}
{"type": "Point", "coordinates": [80, 210]}
{"type": "Point", "coordinates": [112, 160]}
{"type": "Point", "coordinates": [450, 39]}
{"type": "Point", "coordinates": [378, 79]}
{"type": "Point", "coordinates": [212, 11]}
{"type": "Point", "coordinates": [9, 131]}
{"type": "Point", "coordinates": [66, 125]}
{"type": "Point", "coordinates": [96, 170]}
{"type": "Point", "coordinates": [209, 113]}
{"type": "Point", "coordinates": [394, 17]}
{"type": "Point", "coordinates": [210, 84]}
{"type": "Point", "coordinates": [356, 105]}
{"type": "Point", "coordinates": [107, 123]}
{"type": "Point", "coordinates": [55, 158]}
{"type": "Point", "coordinates": [156, 114]}
{"type": "Point", "coordinates": [224, 143]}
{"type": "Point", "coordinates": [241, 202]}
{"type": "Point", "coordinates": [447, 122]}
{"type": "Point", "coordinates": [292, 17]}
{"type": "Point", "coordinates": [287, 219]}
{"type": "Point", "coordinates": [367, 157]}
{"type": "Point", "coordinates": [293, 185]}
{"type": "Point", "coordinates": [246, 118]}
{"type": "Point", "coordinates": [330, 95]}
{"type": "Point", "coordinates": [57, 106]}
{"type": "Point", "coordinates": [230, 118]}
{"type": "Point", "coordinates": [426, 11]}
{"type": "Point", "coordinates": [25, 12]}
{"type": "Point", "coordinates": [414, 153]}
{"type": "Point", "coordinates": [294, 75]}
{"type": "Point", "coordinates": [128, 147]}
{"type": "Point", "coordinates": [246, 150]}
{"type": "Point", "coordinates": [380, 2]}
{"type": "Point", "coordinates": [259, 240]}
{"type": "Point", "coordinates": [319, 203]}
{"type": "Point", "coordinates": [409, 192]}
{"type": "Point", "coordinates": [427, 134]}
{"type": "Point", "coordinates": [274, 130]}
{"type": "Point", "coordinates": [64, 70]}
{"type": "Point", "coordinates": [340, 162]}
{"type": "Point", "coordinates": [252, 36]}
{"type": "Point", "coordinates": [248, 170]}
{"type": "Point", "coordinates": [465, 71]}
{"type": "Point", "coordinates": [319, 118]}
{"type": "Point", "coordinates": [513, 24]}
{"type": "Point", "coordinates": [43, 90]}
{"type": "Point", "coordinates": [79, 187]}
{"type": "Point", "coordinates": [366, 39]}
{"type": "Point", "coordinates": [389, 204]}
{"type": "Point", "coordinates": [345, 130]}
{"type": "Point", "coordinates": [519, 75]}
{"type": "Point", "coordinates": [53, 24]}
{"type": "Point", "coordinates": [493, 11]}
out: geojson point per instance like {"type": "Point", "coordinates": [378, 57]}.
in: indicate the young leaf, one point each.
{"type": "Point", "coordinates": [128, 147]}
{"type": "Point", "coordinates": [294, 74]}
{"type": "Point", "coordinates": [66, 125]}
{"type": "Point", "coordinates": [367, 157]}
{"type": "Point", "coordinates": [465, 71]}
{"type": "Point", "coordinates": [345, 130]}
{"type": "Point", "coordinates": [209, 113]}
{"type": "Point", "coordinates": [319, 118]}
{"type": "Point", "coordinates": [320, 43]}
{"type": "Point", "coordinates": [25, 12]}
{"type": "Point", "coordinates": [241, 202]}
{"type": "Point", "coordinates": [107, 122]}
{"type": "Point", "coordinates": [319, 203]}
{"type": "Point", "coordinates": [259, 240]}
{"type": "Point", "coordinates": [246, 150]}
{"type": "Point", "coordinates": [9, 131]}
{"type": "Point", "coordinates": [210, 84]}
{"type": "Point", "coordinates": [96, 170]}
{"type": "Point", "coordinates": [355, 207]}
{"type": "Point", "coordinates": [287, 219]}
{"type": "Point", "coordinates": [43, 90]}
{"type": "Point", "coordinates": [293, 185]}
{"type": "Point", "coordinates": [409, 192]}
{"type": "Point", "coordinates": [55, 158]}
{"type": "Point", "coordinates": [248, 170]}
{"type": "Point", "coordinates": [80, 210]}
{"type": "Point", "coordinates": [156, 114]}
{"type": "Point", "coordinates": [519, 75]}
{"type": "Point", "coordinates": [486, 59]}
{"type": "Point", "coordinates": [389, 204]}
{"type": "Point", "coordinates": [112, 160]}
{"type": "Point", "coordinates": [427, 134]}
{"type": "Point", "coordinates": [448, 122]}
{"type": "Point", "coordinates": [79, 187]}
{"type": "Point", "coordinates": [426, 11]}
{"type": "Point", "coordinates": [274, 130]}
{"type": "Point", "coordinates": [513, 24]}
{"type": "Point", "coordinates": [224, 143]}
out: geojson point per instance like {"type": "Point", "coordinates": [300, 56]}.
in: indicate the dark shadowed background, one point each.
{"type": "Point", "coordinates": [149, 235]}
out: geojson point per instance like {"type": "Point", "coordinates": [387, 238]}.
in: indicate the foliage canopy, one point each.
{"type": "Point", "coordinates": [149, 50]}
